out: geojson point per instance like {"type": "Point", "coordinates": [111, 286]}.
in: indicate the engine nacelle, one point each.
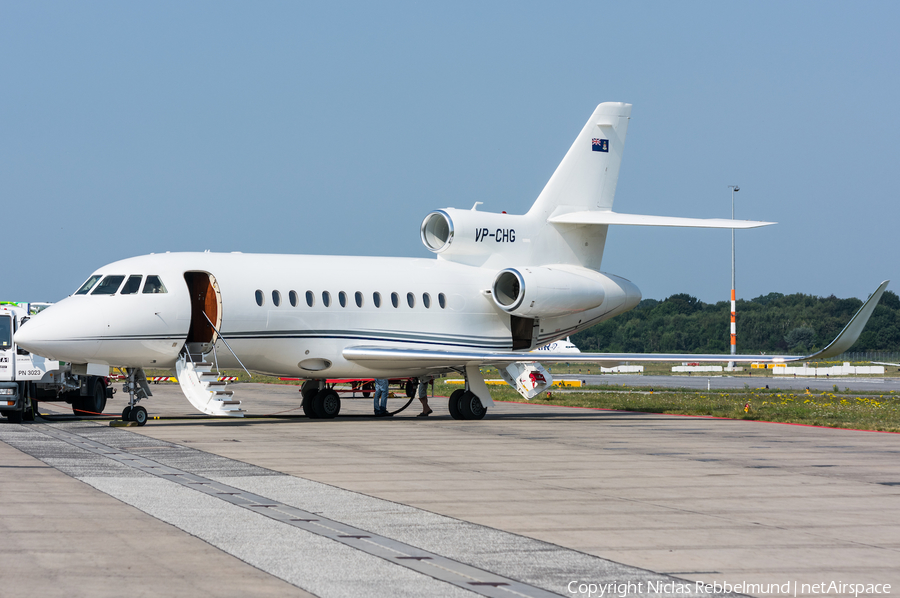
{"type": "Point", "coordinates": [452, 232]}
{"type": "Point", "coordinates": [548, 291]}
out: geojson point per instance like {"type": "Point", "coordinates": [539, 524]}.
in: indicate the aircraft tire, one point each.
{"type": "Point", "coordinates": [470, 406]}
{"type": "Point", "coordinates": [453, 403]}
{"type": "Point", "coordinates": [308, 391]}
{"type": "Point", "coordinates": [126, 414]}
{"type": "Point", "coordinates": [327, 404]}
{"type": "Point", "coordinates": [308, 409]}
{"type": "Point", "coordinates": [139, 415]}
{"type": "Point", "coordinates": [367, 389]}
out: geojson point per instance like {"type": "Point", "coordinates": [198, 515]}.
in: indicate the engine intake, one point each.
{"type": "Point", "coordinates": [437, 231]}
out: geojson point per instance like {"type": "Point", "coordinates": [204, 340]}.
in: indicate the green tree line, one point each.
{"type": "Point", "coordinates": [773, 323]}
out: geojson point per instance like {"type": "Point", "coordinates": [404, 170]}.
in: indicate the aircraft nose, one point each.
{"type": "Point", "coordinates": [50, 334]}
{"type": "Point", "coordinates": [31, 336]}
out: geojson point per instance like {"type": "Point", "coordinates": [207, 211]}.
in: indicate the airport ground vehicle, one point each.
{"type": "Point", "coordinates": [26, 378]}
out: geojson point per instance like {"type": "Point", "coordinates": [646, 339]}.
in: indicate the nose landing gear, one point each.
{"type": "Point", "coordinates": [137, 388]}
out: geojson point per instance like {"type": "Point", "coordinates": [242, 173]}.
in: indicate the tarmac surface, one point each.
{"type": "Point", "coordinates": [519, 504]}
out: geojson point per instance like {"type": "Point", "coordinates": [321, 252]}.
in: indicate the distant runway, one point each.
{"type": "Point", "coordinates": [858, 384]}
{"type": "Point", "coordinates": [523, 503]}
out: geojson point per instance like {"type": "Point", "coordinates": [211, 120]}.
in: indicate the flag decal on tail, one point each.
{"type": "Point", "coordinates": [600, 145]}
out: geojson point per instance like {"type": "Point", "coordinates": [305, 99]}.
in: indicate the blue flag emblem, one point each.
{"type": "Point", "coordinates": [600, 145]}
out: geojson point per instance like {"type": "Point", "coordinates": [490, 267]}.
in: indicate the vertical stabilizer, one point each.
{"type": "Point", "coordinates": [587, 176]}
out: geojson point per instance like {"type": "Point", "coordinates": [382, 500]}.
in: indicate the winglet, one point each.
{"type": "Point", "coordinates": [852, 330]}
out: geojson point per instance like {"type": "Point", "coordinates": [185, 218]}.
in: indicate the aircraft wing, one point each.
{"type": "Point", "coordinates": [454, 359]}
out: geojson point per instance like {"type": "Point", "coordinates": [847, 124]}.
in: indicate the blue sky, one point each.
{"type": "Point", "coordinates": [285, 127]}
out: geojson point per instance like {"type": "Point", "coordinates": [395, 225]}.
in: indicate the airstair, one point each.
{"type": "Point", "coordinates": [201, 386]}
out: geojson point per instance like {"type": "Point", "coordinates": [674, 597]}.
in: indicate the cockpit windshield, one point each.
{"type": "Point", "coordinates": [5, 332]}
{"type": "Point", "coordinates": [154, 285]}
{"type": "Point", "coordinates": [109, 285]}
{"type": "Point", "coordinates": [131, 287]}
{"type": "Point", "coordinates": [88, 285]}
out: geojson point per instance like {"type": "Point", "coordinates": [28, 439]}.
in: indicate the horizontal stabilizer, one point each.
{"type": "Point", "coordinates": [604, 217]}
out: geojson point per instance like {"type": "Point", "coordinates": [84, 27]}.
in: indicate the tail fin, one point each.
{"type": "Point", "coordinates": [586, 178]}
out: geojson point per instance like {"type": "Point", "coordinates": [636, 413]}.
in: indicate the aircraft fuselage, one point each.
{"type": "Point", "coordinates": [293, 315]}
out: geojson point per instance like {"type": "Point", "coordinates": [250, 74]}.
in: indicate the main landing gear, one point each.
{"type": "Point", "coordinates": [319, 402]}
{"type": "Point", "coordinates": [464, 404]}
{"type": "Point", "coordinates": [137, 388]}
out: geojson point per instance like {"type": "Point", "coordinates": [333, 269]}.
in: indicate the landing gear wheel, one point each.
{"type": "Point", "coordinates": [126, 414]}
{"type": "Point", "coordinates": [411, 385]}
{"type": "Point", "coordinates": [327, 404]}
{"type": "Point", "coordinates": [308, 391]}
{"type": "Point", "coordinates": [367, 389]}
{"type": "Point", "coordinates": [139, 414]}
{"type": "Point", "coordinates": [453, 404]}
{"type": "Point", "coordinates": [470, 406]}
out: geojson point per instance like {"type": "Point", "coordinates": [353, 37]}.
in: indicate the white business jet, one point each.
{"type": "Point", "coordinates": [501, 286]}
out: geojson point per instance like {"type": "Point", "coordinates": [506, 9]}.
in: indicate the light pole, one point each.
{"type": "Point", "coordinates": [734, 189]}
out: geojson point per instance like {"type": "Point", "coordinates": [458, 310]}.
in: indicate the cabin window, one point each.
{"type": "Point", "coordinates": [395, 299]}
{"type": "Point", "coordinates": [260, 298]}
{"type": "Point", "coordinates": [426, 300]}
{"type": "Point", "coordinates": [411, 299]}
{"type": "Point", "coordinates": [442, 301]}
{"type": "Point", "coordinates": [132, 285]}
{"type": "Point", "coordinates": [376, 299]}
{"type": "Point", "coordinates": [6, 331]}
{"type": "Point", "coordinates": [358, 297]}
{"type": "Point", "coordinates": [276, 298]}
{"type": "Point", "coordinates": [154, 285]}
{"type": "Point", "coordinates": [342, 297]}
{"type": "Point", "coordinates": [292, 297]}
{"type": "Point", "coordinates": [326, 298]}
{"type": "Point", "coordinates": [88, 285]}
{"type": "Point", "coordinates": [109, 285]}
{"type": "Point", "coordinates": [310, 298]}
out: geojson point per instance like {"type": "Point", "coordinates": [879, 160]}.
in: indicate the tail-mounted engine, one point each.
{"type": "Point", "coordinates": [455, 233]}
{"type": "Point", "coordinates": [548, 291]}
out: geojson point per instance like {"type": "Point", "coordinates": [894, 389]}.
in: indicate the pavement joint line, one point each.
{"type": "Point", "coordinates": [433, 565]}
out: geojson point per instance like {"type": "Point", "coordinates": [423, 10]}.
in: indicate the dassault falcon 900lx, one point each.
{"type": "Point", "coordinates": [500, 286]}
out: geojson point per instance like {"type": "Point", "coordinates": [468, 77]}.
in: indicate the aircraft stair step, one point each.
{"type": "Point", "coordinates": [204, 390]}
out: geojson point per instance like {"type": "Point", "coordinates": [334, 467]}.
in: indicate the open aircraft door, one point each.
{"type": "Point", "coordinates": [206, 307]}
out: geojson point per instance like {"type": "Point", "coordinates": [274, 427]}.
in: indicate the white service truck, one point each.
{"type": "Point", "coordinates": [26, 379]}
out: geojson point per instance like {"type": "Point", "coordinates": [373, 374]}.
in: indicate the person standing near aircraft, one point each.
{"type": "Point", "coordinates": [381, 397]}
{"type": "Point", "coordinates": [423, 397]}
